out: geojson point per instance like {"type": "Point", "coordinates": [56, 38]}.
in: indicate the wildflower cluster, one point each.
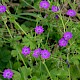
{"type": "Point", "coordinates": [37, 52]}
{"type": "Point", "coordinates": [45, 4]}
{"type": "Point", "coordinates": [45, 54]}
{"type": "Point", "coordinates": [67, 35]}
{"type": "Point", "coordinates": [64, 40]}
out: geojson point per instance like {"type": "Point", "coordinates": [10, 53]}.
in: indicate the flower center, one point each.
{"type": "Point", "coordinates": [71, 13]}
{"type": "Point", "coordinates": [55, 8]}
{"type": "Point", "coordinates": [38, 30]}
{"type": "Point", "coordinates": [26, 50]}
{"type": "Point", "coordinates": [8, 74]}
{"type": "Point", "coordinates": [45, 54]}
{"type": "Point", "coordinates": [44, 5]}
{"type": "Point", "coordinates": [67, 36]}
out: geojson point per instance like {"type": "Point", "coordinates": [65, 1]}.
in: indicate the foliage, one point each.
{"type": "Point", "coordinates": [17, 30]}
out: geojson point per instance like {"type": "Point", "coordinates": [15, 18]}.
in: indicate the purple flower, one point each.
{"type": "Point", "coordinates": [45, 54]}
{"type": "Point", "coordinates": [71, 13]}
{"type": "Point", "coordinates": [67, 35]}
{"type": "Point", "coordinates": [2, 8]}
{"type": "Point", "coordinates": [37, 53]}
{"type": "Point", "coordinates": [55, 8]}
{"type": "Point", "coordinates": [7, 73]}
{"type": "Point", "coordinates": [39, 29]}
{"type": "Point", "coordinates": [26, 50]}
{"type": "Point", "coordinates": [44, 4]}
{"type": "Point", "coordinates": [62, 42]}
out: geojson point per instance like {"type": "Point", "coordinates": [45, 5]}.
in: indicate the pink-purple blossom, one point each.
{"type": "Point", "coordinates": [44, 4]}
{"type": "Point", "coordinates": [2, 8]}
{"type": "Point", "coordinates": [37, 53]}
{"type": "Point", "coordinates": [67, 35]}
{"type": "Point", "coordinates": [71, 13]}
{"type": "Point", "coordinates": [26, 50]}
{"type": "Point", "coordinates": [62, 42]}
{"type": "Point", "coordinates": [55, 8]}
{"type": "Point", "coordinates": [7, 73]}
{"type": "Point", "coordinates": [39, 29]}
{"type": "Point", "coordinates": [45, 54]}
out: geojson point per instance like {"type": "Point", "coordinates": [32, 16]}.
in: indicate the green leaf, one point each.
{"type": "Point", "coordinates": [12, 18]}
{"type": "Point", "coordinates": [16, 65]}
{"type": "Point", "coordinates": [34, 78]}
{"type": "Point", "coordinates": [29, 42]}
{"type": "Point", "coordinates": [25, 28]}
{"type": "Point", "coordinates": [4, 54]}
{"type": "Point", "coordinates": [75, 59]}
{"type": "Point", "coordinates": [75, 73]}
{"type": "Point", "coordinates": [43, 77]}
{"type": "Point", "coordinates": [14, 53]}
{"type": "Point", "coordinates": [16, 76]}
{"type": "Point", "coordinates": [16, 38]}
{"type": "Point", "coordinates": [58, 72]}
{"type": "Point", "coordinates": [25, 72]}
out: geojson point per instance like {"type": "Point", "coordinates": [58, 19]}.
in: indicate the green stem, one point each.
{"type": "Point", "coordinates": [69, 67]}
{"type": "Point", "coordinates": [40, 69]}
{"type": "Point", "coordinates": [28, 4]}
{"type": "Point", "coordinates": [47, 70]}
{"type": "Point", "coordinates": [48, 1]}
{"type": "Point", "coordinates": [23, 17]}
{"type": "Point", "coordinates": [10, 64]}
{"type": "Point", "coordinates": [57, 77]}
{"type": "Point", "coordinates": [22, 59]}
{"type": "Point", "coordinates": [69, 2]}
{"type": "Point", "coordinates": [67, 21]}
{"type": "Point", "coordinates": [47, 37]}
{"type": "Point", "coordinates": [20, 27]}
{"type": "Point", "coordinates": [69, 74]}
{"type": "Point", "coordinates": [7, 27]}
{"type": "Point", "coordinates": [62, 21]}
